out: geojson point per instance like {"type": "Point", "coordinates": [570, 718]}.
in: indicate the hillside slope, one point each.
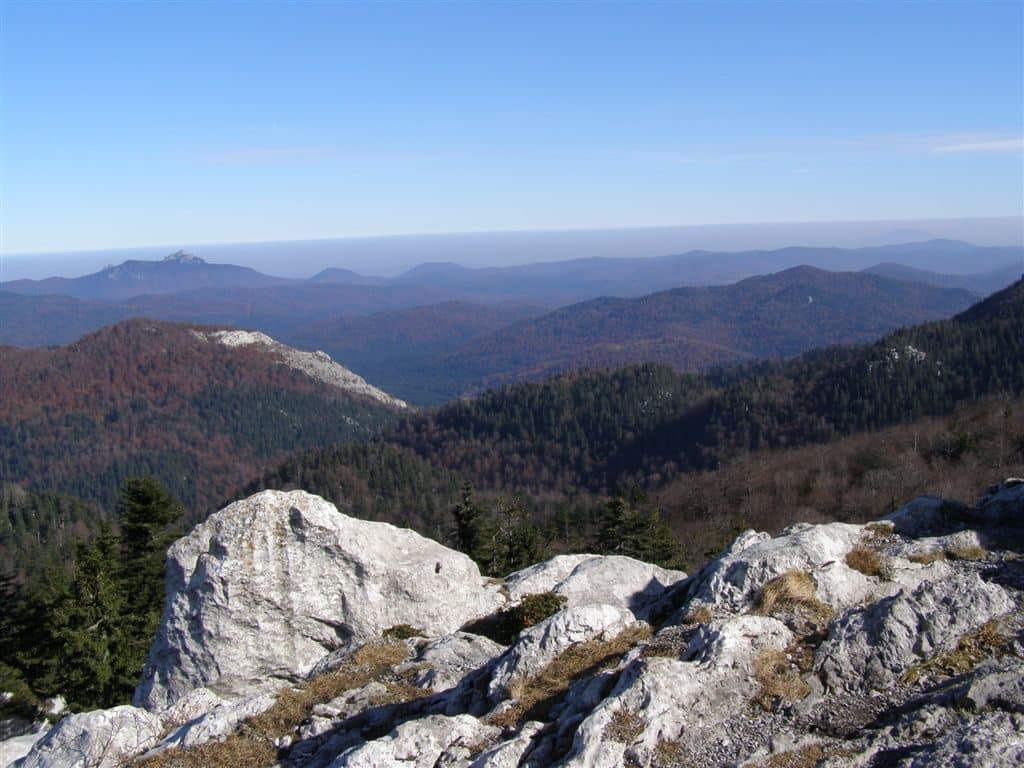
{"type": "Point", "coordinates": [693, 329]}
{"type": "Point", "coordinates": [199, 407]}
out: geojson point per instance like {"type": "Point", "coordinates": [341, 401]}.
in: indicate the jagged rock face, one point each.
{"type": "Point", "coordinates": [268, 586]}
{"type": "Point", "coordinates": [100, 739]}
{"type": "Point", "coordinates": [718, 687]}
{"type": "Point", "coordinates": [539, 645]}
{"type": "Point", "coordinates": [731, 582]}
{"type": "Point", "coordinates": [425, 743]}
{"type": "Point", "coordinates": [870, 648]}
{"type": "Point", "coordinates": [691, 696]}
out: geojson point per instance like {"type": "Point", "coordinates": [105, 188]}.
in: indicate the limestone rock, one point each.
{"type": "Point", "coordinates": [539, 645]}
{"type": "Point", "coordinates": [104, 738]}
{"type": "Point", "coordinates": [607, 579]}
{"type": "Point", "coordinates": [542, 577]}
{"type": "Point", "coordinates": [510, 753]}
{"type": "Point", "coordinates": [869, 648]}
{"type": "Point", "coordinates": [731, 582]}
{"type": "Point", "coordinates": [218, 722]}
{"type": "Point", "coordinates": [266, 587]}
{"type": "Point", "coordinates": [671, 699]}
{"type": "Point", "coordinates": [443, 663]}
{"type": "Point", "coordinates": [422, 743]}
{"type": "Point", "coordinates": [15, 747]}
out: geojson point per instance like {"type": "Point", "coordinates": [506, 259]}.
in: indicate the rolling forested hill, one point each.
{"type": "Point", "coordinates": [562, 445]}
{"type": "Point", "coordinates": [148, 397]}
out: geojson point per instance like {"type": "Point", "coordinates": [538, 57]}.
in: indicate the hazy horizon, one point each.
{"type": "Point", "coordinates": [391, 254]}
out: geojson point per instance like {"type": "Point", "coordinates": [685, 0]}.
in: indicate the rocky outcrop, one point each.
{"type": "Point", "coordinates": [585, 579]}
{"type": "Point", "coordinates": [265, 588]}
{"type": "Point", "coordinates": [913, 656]}
{"type": "Point", "coordinates": [317, 365]}
{"type": "Point", "coordinates": [870, 648]}
{"type": "Point", "coordinates": [538, 646]}
{"type": "Point", "coordinates": [101, 739]}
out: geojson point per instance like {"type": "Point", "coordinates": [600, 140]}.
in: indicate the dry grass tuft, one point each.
{"type": "Point", "coordinates": [778, 680]}
{"type": "Point", "coordinates": [793, 591]}
{"type": "Point", "coordinates": [806, 757]}
{"type": "Point", "coordinates": [985, 642]}
{"type": "Point", "coordinates": [234, 752]}
{"type": "Point", "coordinates": [624, 726]}
{"type": "Point", "coordinates": [701, 615]}
{"type": "Point", "coordinates": [879, 529]}
{"type": "Point", "coordinates": [928, 557]}
{"type": "Point", "coordinates": [969, 552]}
{"type": "Point", "coordinates": [867, 561]}
{"type": "Point", "coordinates": [252, 746]}
{"type": "Point", "coordinates": [535, 697]}
{"type": "Point", "coordinates": [667, 752]}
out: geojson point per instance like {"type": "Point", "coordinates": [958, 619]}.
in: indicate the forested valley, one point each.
{"type": "Point", "coordinates": [640, 461]}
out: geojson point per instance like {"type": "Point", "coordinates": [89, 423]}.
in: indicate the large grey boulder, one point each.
{"type": "Point", "coordinates": [731, 582]}
{"type": "Point", "coordinates": [606, 579]}
{"type": "Point", "coordinates": [870, 648]}
{"type": "Point", "coordinates": [105, 738]}
{"type": "Point", "coordinates": [265, 588]}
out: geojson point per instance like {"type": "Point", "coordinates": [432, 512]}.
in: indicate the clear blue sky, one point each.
{"type": "Point", "coordinates": [150, 123]}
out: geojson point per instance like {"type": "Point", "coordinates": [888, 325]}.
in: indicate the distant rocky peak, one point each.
{"type": "Point", "coordinates": [180, 257]}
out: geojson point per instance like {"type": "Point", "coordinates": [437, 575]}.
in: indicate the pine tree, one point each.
{"type": "Point", "coordinates": [472, 534]}
{"type": "Point", "coordinates": [145, 512]}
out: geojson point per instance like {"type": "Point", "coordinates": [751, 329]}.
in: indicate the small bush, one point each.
{"type": "Point", "coordinates": [402, 632]}
{"type": "Point", "coordinates": [866, 560]}
{"type": "Point", "coordinates": [535, 608]}
{"type": "Point", "coordinates": [777, 679]}
{"type": "Point", "coordinates": [793, 591]}
{"type": "Point", "coordinates": [624, 726]}
{"type": "Point", "coordinates": [966, 552]}
{"type": "Point", "coordinates": [504, 626]}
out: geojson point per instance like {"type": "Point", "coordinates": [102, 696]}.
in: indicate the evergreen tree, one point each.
{"type": "Point", "coordinates": [146, 511]}
{"type": "Point", "coordinates": [516, 541]}
{"type": "Point", "coordinates": [472, 533]}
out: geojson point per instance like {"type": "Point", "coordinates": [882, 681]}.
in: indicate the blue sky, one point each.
{"type": "Point", "coordinates": [160, 123]}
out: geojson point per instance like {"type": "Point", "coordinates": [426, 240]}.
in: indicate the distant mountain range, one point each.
{"type": "Point", "coordinates": [550, 284]}
{"type": "Point", "coordinates": [440, 330]}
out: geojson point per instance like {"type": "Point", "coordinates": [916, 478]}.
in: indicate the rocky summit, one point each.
{"type": "Point", "coordinates": [298, 637]}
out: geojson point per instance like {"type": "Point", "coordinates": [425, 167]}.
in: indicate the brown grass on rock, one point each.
{"type": "Point", "coordinates": [778, 680]}
{"type": "Point", "coordinates": [252, 745]}
{"type": "Point", "coordinates": [534, 697]}
{"type": "Point", "coordinates": [792, 591]}
{"type": "Point", "coordinates": [966, 552]}
{"type": "Point", "coordinates": [927, 557]}
{"type": "Point", "coordinates": [867, 561]}
{"type": "Point", "coordinates": [985, 642]}
{"type": "Point", "coordinates": [808, 756]}
{"type": "Point", "coordinates": [699, 615]}
{"type": "Point", "coordinates": [624, 726]}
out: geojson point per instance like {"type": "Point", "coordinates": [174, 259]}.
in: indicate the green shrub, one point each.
{"type": "Point", "coordinates": [402, 632]}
